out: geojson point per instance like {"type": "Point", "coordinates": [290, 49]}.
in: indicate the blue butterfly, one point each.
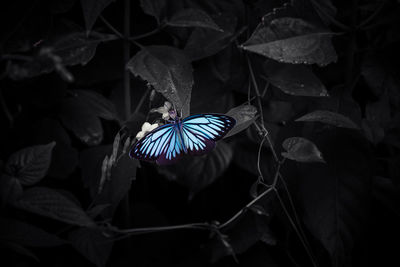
{"type": "Point", "coordinates": [194, 135]}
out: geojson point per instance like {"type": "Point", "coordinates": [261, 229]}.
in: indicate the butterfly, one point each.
{"type": "Point", "coordinates": [193, 135]}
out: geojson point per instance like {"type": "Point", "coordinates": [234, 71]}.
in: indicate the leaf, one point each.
{"type": "Point", "coordinates": [92, 244]}
{"type": "Point", "coordinates": [91, 11]}
{"type": "Point", "coordinates": [198, 172]}
{"type": "Point", "coordinates": [10, 189]}
{"type": "Point", "coordinates": [329, 117]}
{"type": "Point", "coordinates": [206, 42]}
{"type": "Point", "coordinates": [292, 40]}
{"type": "Point", "coordinates": [69, 49]}
{"type": "Point", "coordinates": [191, 17]}
{"type": "Point", "coordinates": [77, 117]}
{"type": "Point", "coordinates": [100, 106]}
{"type": "Point", "coordinates": [244, 115]}
{"type": "Point", "coordinates": [116, 186]}
{"type": "Point", "coordinates": [27, 234]}
{"type": "Point", "coordinates": [294, 79]}
{"type": "Point", "coordinates": [244, 234]}
{"type": "Point", "coordinates": [50, 203]}
{"type": "Point", "coordinates": [154, 8]}
{"type": "Point", "coordinates": [169, 71]}
{"type": "Point", "coordinates": [30, 165]}
{"type": "Point", "coordinates": [18, 249]}
{"type": "Point", "coordinates": [335, 198]}
{"type": "Point", "coordinates": [301, 150]}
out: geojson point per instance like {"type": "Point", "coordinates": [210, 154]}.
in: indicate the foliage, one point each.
{"type": "Point", "coordinates": [307, 177]}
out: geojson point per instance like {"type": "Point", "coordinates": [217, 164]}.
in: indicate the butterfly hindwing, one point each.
{"type": "Point", "coordinates": [200, 132]}
{"type": "Point", "coordinates": [161, 145]}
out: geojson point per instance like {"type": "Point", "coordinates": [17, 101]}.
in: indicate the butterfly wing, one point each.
{"type": "Point", "coordinates": [200, 132]}
{"type": "Point", "coordinates": [162, 145]}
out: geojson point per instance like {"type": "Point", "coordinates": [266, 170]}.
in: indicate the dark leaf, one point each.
{"type": "Point", "coordinates": [377, 119]}
{"type": "Point", "coordinates": [169, 71]}
{"type": "Point", "coordinates": [294, 79]}
{"type": "Point", "coordinates": [301, 150]}
{"type": "Point", "coordinates": [191, 17]}
{"type": "Point", "coordinates": [244, 115]}
{"type": "Point", "coordinates": [91, 11]}
{"type": "Point", "coordinates": [92, 244]}
{"type": "Point", "coordinates": [97, 210]}
{"type": "Point", "coordinates": [18, 249]}
{"type": "Point", "coordinates": [198, 172]}
{"type": "Point", "coordinates": [26, 234]}
{"type": "Point", "coordinates": [329, 117]}
{"type": "Point", "coordinates": [116, 186]}
{"type": "Point", "coordinates": [100, 106]}
{"type": "Point", "coordinates": [292, 40]}
{"type": "Point", "coordinates": [154, 8]}
{"type": "Point", "coordinates": [70, 49]}
{"type": "Point", "coordinates": [30, 165]}
{"type": "Point", "coordinates": [50, 203]}
{"type": "Point", "coordinates": [336, 196]}
{"type": "Point", "coordinates": [79, 118]}
{"type": "Point", "coordinates": [243, 235]}
{"type": "Point", "coordinates": [206, 42]}
{"type": "Point", "coordinates": [64, 156]}
{"type": "Point", "coordinates": [10, 189]}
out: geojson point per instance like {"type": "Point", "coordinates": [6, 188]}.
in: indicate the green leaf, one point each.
{"type": "Point", "coordinates": [198, 172]}
{"type": "Point", "coordinates": [92, 10]}
{"type": "Point", "coordinates": [77, 117]}
{"type": "Point", "coordinates": [301, 150]}
{"type": "Point", "coordinates": [329, 117]}
{"type": "Point", "coordinates": [294, 79]}
{"type": "Point", "coordinates": [27, 234]}
{"type": "Point", "coordinates": [154, 8]}
{"type": "Point", "coordinates": [92, 244]}
{"type": "Point", "coordinates": [292, 40]}
{"type": "Point", "coordinates": [30, 165]}
{"type": "Point", "coordinates": [244, 115]}
{"type": "Point", "coordinates": [169, 71]}
{"type": "Point", "coordinates": [191, 17]}
{"type": "Point", "coordinates": [50, 203]}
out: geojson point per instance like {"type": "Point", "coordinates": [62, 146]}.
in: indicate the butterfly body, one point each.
{"type": "Point", "coordinates": [194, 135]}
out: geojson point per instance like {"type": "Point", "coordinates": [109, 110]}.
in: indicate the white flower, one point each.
{"type": "Point", "coordinates": [146, 127]}
{"type": "Point", "coordinates": [164, 110]}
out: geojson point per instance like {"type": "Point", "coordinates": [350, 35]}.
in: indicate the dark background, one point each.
{"type": "Point", "coordinates": [65, 78]}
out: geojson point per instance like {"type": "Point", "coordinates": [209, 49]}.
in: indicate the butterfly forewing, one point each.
{"type": "Point", "coordinates": [201, 131]}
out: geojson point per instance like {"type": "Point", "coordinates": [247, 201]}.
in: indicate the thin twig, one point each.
{"type": "Point", "coordinates": [294, 226]}
{"type": "Point", "coordinates": [147, 34]}
{"type": "Point", "coordinates": [372, 16]}
{"type": "Point", "coordinates": [253, 79]}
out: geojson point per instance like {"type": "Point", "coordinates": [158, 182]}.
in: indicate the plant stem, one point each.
{"type": "Point", "coordinates": [127, 91]}
{"type": "Point", "coordinates": [253, 79]}
{"type": "Point", "coordinates": [5, 109]}
{"type": "Point", "coordinates": [137, 37]}
{"type": "Point", "coordinates": [127, 78]}
{"type": "Point", "coordinates": [293, 224]}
